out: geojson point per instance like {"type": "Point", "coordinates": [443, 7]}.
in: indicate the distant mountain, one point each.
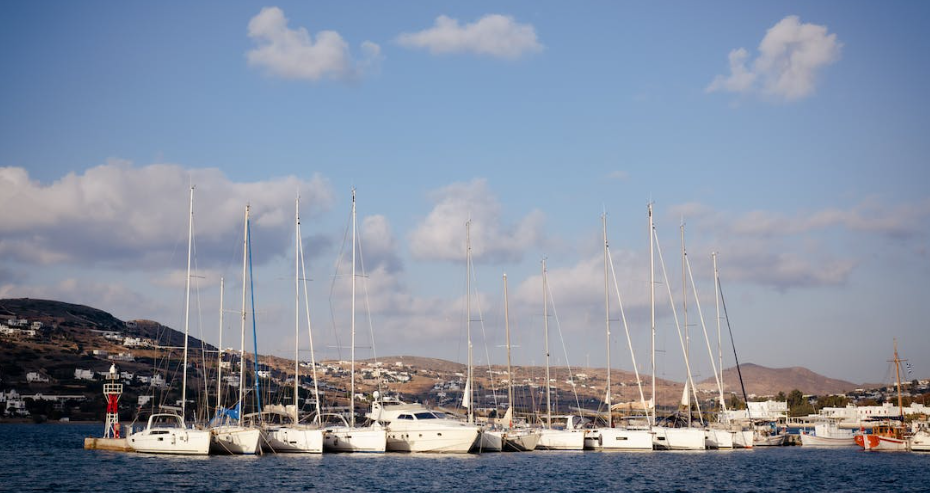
{"type": "Point", "coordinates": [762, 381]}
{"type": "Point", "coordinates": [77, 319]}
{"type": "Point", "coordinates": [58, 313]}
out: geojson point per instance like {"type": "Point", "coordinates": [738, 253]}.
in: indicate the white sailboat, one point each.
{"type": "Point", "coordinates": [340, 435]}
{"type": "Point", "coordinates": [228, 436]}
{"type": "Point", "coordinates": [510, 438]}
{"type": "Point", "coordinates": [610, 437]}
{"type": "Point", "coordinates": [551, 438]}
{"type": "Point", "coordinates": [719, 434]}
{"type": "Point", "coordinates": [491, 438]}
{"type": "Point", "coordinates": [295, 437]}
{"type": "Point", "coordinates": [670, 437]}
{"type": "Point", "coordinates": [167, 433]}
{"type": "Point", "coordinates": [743, 433]}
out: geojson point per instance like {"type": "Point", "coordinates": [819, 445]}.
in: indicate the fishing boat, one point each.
{"type": "Point", "coordinates": [887, 435]}
{"type": "Point", "coordinates": [415, 428]}
{"type": "Point", "coordinates": [339, 434]}
{"type": "Point", "coordinates": [768, 434]}
{"type": "Point", "coordinates": [828, 434]}
{"type": "Point", "coordinates": [167, 433]}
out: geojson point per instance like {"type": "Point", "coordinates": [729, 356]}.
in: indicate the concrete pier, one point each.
{"type": "Point", "coordinates": [116, 444]}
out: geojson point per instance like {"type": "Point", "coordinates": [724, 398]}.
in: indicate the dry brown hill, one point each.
{"type": "Point", "coordinates": [763, 381]}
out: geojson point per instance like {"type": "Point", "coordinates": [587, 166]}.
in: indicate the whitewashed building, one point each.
{"type": "Point", "coordinates": [36, 377]}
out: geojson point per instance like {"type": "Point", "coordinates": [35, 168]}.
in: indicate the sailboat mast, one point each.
{"type": "Point", "coordinates": [719, 338]}
{"type": "Point", "coordinates": [469, 384]}
{"type": "Point", "coordinates": [546, 339]}
{"type": "Point", "coordinates": [258, 392]}
{"type": "Point", "coordinates": [245, 259]}
{"type": "Point", "coordinates": [897, 370]}
{"type": "Point", "coordinates": [219, 358]}
{"type": "Point", "coordinates": [652, 309]}
{"type": "Point", "coordinates": [610, 420]}
{"type": "Point", "coordinates": [296, 307]}
{"type": "Point", "coordinates": [684, 301]}
{"type": "Point", "coordinates": [303, 271]}
{"type": "Point", "coordinates": [354, 246]}
{"type": "Point", "coordinates": [187, 304]}
{"type": "Point", "coordinates": [509, 367]}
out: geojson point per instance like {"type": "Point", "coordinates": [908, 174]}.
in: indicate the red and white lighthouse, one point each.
{"type": "Point", "coordinates": [112, 390]}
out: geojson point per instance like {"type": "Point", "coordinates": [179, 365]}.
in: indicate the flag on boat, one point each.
{"type": "Point", "coordinates": [908, 365]}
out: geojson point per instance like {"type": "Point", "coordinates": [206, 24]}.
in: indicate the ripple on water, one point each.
{"type": "Point", "coordinates": [51, 458]}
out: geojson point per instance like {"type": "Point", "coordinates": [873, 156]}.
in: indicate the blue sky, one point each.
{"type": "Point", "coordinates": [788, 136]}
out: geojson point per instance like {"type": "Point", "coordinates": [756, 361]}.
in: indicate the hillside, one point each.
{"type": "Point", "coordinates": [762, 381]}
{"type": "Point", "coordinates": [76, 337]}
{"type": "Point", "coordinates": [73, 321]}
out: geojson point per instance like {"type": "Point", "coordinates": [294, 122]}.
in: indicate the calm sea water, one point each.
{"type": "Point", "coordinates": [51, 458]}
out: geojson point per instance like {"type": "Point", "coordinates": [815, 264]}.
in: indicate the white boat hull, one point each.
{"type": "Point", "coordinates": [920, 442]}
{"type": "Point", "coordinates": [520, 441]}
{"type": "Point", "coordinates": [288, 439]}
{"type": "Point", "coordinates": [347, 439]}
{"type": "Point", "coordinates": [769, 440]}
{"type": "Point", "coordinates": [828, 435]}
{"type": "Point", "coordinates": [718, 439]}
{"type": "Point", "coordinates": [491, 441]}
{"type": "Point", "coordinates": [887, 444]}
{"type": "Point", "coordinates": [171, 438]}
{"type": "Point", "coordinates": [561, 439]}
{"type": "Point", "coordinates": [618, 439]}
{"type": "Point", "coordinates": [442, 439]}
{"type": "Point", "coordinates": [678, 438]}
{"type": "Point", "coordinates": [235, 440]}
{"type": "Point", "coordinates": [816, 441]}
{"type": "Point", "coordinates": [743, 439]}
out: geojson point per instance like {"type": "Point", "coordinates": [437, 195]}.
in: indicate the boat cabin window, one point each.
{"type": "Point", "coordinates": [426, 415]}
{"type": "Point", "coordinates": [405, 416]}
{"type": "Point", "coordinates": [166, 422]}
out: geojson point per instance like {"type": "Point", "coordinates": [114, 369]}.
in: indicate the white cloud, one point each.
{"type": "Point", "coordinates": [295, 54]}
{"type": "Point", "coordinates": [791, 56]}
{"type": "Point", "coordinates": [794, 250]}
{"type": "Point", "coordinates": [120, 215]}
{"type": "Point", "coordinates": [379, 246]}
{"type": "Point", "coordinates": [441, 236]}
{"type": "Point", "coordinates": [494, 35]}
